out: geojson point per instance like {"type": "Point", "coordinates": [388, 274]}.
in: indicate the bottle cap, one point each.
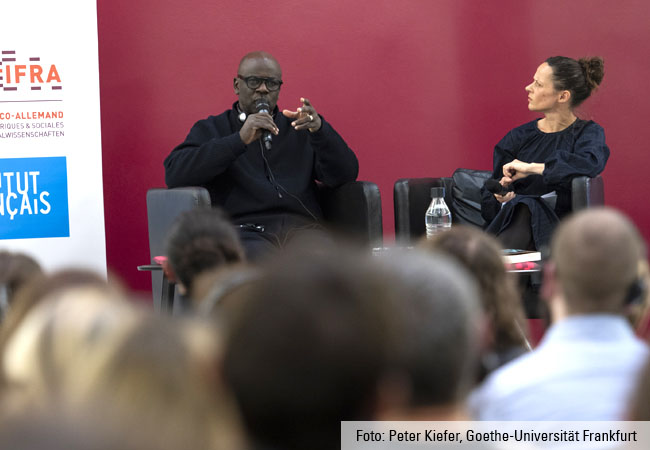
{"type": "Point", "coordinates": [438, 192]}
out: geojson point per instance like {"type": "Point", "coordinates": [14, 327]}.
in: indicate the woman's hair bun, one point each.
{"type": "Point", "coordinates": [594, 70]}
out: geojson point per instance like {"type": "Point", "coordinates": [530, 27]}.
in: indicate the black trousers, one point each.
{"type": "Point", "coordinates": [519, 233]}
{"type": "Point", "coordinates": [264, 235]}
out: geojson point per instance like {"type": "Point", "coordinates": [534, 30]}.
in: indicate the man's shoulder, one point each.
{"type": "Point", "coordinates": [214, 125]}
{"type": "Point", "coordinates": [564, 358]}
{"type": "Point", "coordinates": [218, 119]}
{"type": "Point", "coordinates": [516, 373]}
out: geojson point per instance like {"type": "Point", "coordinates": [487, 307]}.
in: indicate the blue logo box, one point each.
{"type": "Point", "coordinates": [34, 198]}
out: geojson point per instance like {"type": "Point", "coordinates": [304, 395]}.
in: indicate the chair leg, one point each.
{"type": "Point", "coordinates": [167, 295]}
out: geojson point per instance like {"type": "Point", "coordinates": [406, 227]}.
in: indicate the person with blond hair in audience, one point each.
{"type": "Point", "coordinates": [41, 286]}
{"type": "Point", "coordinates": [85, 429]}
{"type": "Point", "coordinates": [587, 364]}
{"type": "Point", "coordinates": [57, 334]}
{"type": "Point", "coordinates": [83, 348]}
{"type": "Point", "coordinates": [164, 374]}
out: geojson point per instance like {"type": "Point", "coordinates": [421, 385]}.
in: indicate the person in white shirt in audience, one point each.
{"type": "Point", "coordinates": [640, 398]}
{"type": "Point", "coordinates": [587, 363]}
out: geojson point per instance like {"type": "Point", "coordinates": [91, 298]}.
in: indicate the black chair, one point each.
{"type": "Point", "coordinates": [163, 207]}
{"type": "Point", "coordinates": [462, 195]}
{"type": "Point", "coordinates": [352, 211]}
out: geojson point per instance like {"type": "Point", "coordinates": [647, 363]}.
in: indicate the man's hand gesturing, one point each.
{"type": "Point", "coordinates": [305, 117]}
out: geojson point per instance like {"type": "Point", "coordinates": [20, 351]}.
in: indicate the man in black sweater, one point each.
{"type": "Point", "coordinates": [270, 193]}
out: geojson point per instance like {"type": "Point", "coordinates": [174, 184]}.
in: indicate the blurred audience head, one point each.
{"type": "Point", "coordinates": [57, 429]}
{"type": "Point", "coordinates": [201, 239]}
{"type": "Point", "coordinates": [305, 346]}
{"type": "Point", "coordinates": [595, 255]}
{"type": "Point", "coordinates": [220, 284]}
{"type": "Point", "coordinates": [328, 334]}
{"type": "Point", "coordinates": [83, 348]}
{"type": "Point", "coordinates": [16, 270]}
{"type": "Point", "coordinates": [43, 286]}
{"type": "Point", "coordinates": [436, 345]}
{"type": "Point", "coordinates": [89, 427]}
{"type": "Point", "coordinates": [480, 254]}
{"type": "Point", "coordinates": [57, 338]}
{"type": "Point", "coordinates": [164, 374]}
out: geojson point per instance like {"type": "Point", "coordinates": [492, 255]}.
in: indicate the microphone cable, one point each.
{"type": "Point", "coordinates": [278, 186]}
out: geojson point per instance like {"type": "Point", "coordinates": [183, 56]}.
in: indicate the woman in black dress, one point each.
{"type": "Point", "coordinates": [537, 161]}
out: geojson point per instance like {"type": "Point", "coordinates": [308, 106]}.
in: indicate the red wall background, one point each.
{"type": "Point", "coordinates": [416, 87]}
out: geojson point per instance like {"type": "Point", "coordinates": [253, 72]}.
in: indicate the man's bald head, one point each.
{"type": "Point", "coordinates": [596, 253]}
{"type": "Point", "coordinates": [258, 56]}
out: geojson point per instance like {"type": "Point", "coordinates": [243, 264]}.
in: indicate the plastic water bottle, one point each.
{"type": "Point", "coordinates": [438, 216]}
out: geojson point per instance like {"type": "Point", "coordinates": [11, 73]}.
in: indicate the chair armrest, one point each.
{"type": "Point", "coordinates": [411, 198]}
{"type": "Point", "coordinates": [354, 210]}
{"type": "Point", "coordinates": [587, 192]}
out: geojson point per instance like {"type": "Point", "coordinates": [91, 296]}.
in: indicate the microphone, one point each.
{"type": "Point", "coordinates": [495, 187]}
{"type": "Point", "coordinates": [261, 105]}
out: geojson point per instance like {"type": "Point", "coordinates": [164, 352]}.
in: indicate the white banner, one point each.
{"type": "Point", "coordinates": [51, 193]}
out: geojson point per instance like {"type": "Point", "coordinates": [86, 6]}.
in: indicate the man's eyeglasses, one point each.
{"type": "Point", "coordinates": [254, 82]}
